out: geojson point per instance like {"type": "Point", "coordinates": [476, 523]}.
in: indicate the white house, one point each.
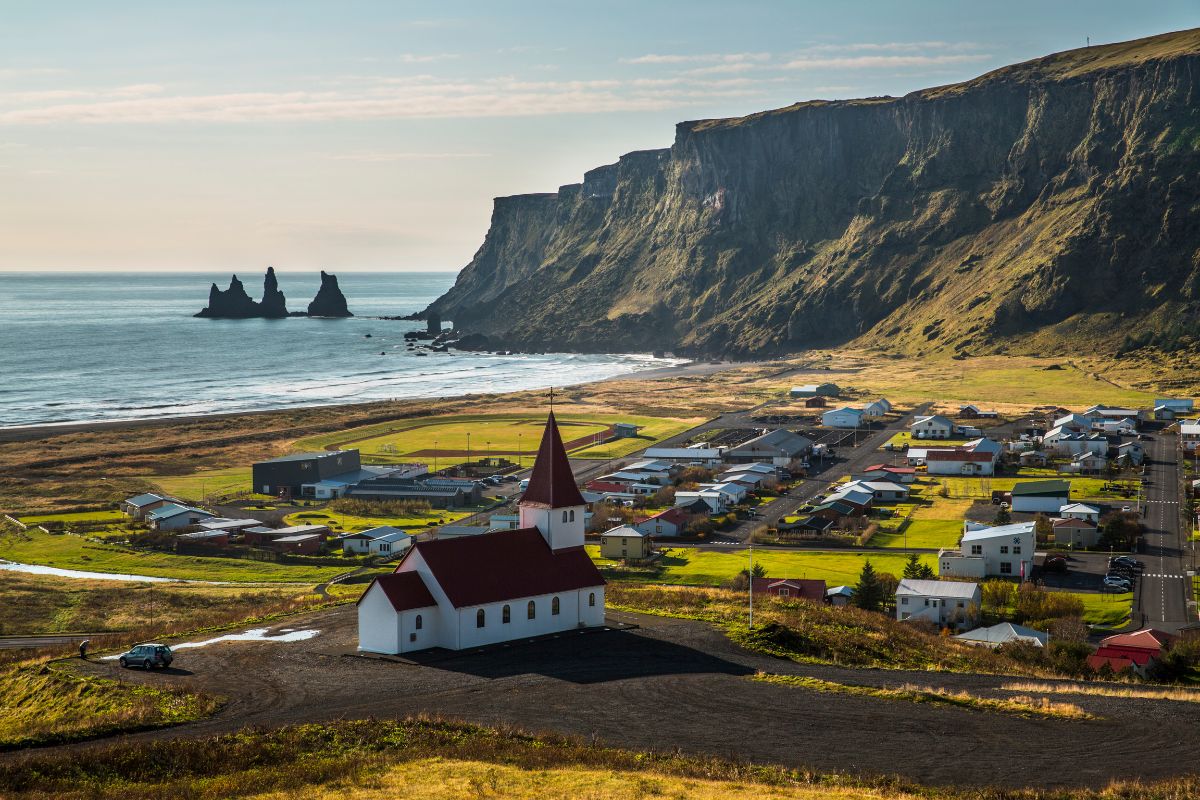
{"type": "Point", "coordinates": [1004, 550]}
{"type": "Point", "coordinates": [977, 457]}
{"type": "Point", "coordinates": [1086, 462]}
{"type": "Point", "coordinates": [733, 492]}
{"type": "Point", "coordinates": [173, 517]}
{"type": "Point", "coordinates": [931, 427]}
{"type": "Point", "coordinates": [844, 417]}
{"type": "Point", "coordinates": [1122, 427]}
{"type": "Point", "coordinates": [1189, 436]}
{"type": "Point", "coordinates": [1075, 422]}
{"type": "Point", "coordinates": [384, 540]}
{"type": "Point", "coordinates": [495, 587]}
{"type": "Point", "coordinates": [877, 408]}
{"type": "Point", "coordinates": [1133, 452]}
{"type": "Point", "coordinates": [717, 503]}
{"type": "Point", "coordinates": [1041, 496]}
{"type": "Point", "coordinates": [888, 491]}
{"type": "Point", "coordinates": [1080, 511]}
{"type": "Point", "coordinates": [1004, 633]}
{"type": "Point", "coordinates": [951, 603]}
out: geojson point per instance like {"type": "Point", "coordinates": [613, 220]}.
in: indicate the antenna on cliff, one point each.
{"type": "Point", "coordinates": [1089, 41]}
{"type": "Point", "coordinates": [551, 399]}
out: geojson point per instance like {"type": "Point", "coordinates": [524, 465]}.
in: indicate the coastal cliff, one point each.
{"type": "Point", "coordinates": [1042, 207]}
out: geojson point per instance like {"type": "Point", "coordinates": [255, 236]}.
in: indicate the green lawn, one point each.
{"type": "Point", "coordinates": [981, 488]}
{"type": "Point", "coordinates": [922, 533]}
{"type": "Point", "coordinates": [515, 437]}
{"type": "Point", "coordinates": [904, 439]}
{"type": "Point", "coordinates": [78, 516]}
{"type": "Point", "coordinates": [692, 567]}
{"type": "Point", "coordinates": [1105, 609]}
{"type": "Point", "coordinates": [345, 523]}
{"type": "Point", "coordinates": [934, 522]}
{"type": "Point", "coordinates": [206, 483]}
{"type": "Point", "coordinates": [75, 552]}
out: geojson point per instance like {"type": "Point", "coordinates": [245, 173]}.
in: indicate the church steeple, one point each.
{"type": "Point", "coordinates": [552, 502]}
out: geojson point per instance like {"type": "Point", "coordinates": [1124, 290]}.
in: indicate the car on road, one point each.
{"type": "Point", "coordinates": [1118, 580]}
{"type": "Point", "coordinates": [147, 656]}
{"type": "Point", "coordinates": [1125, 561]}
{"type": "Point", "coordinates": [1145, 437]}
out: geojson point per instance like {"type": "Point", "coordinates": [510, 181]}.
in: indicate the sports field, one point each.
{"type": "Point", "coordinates": [443, 441]}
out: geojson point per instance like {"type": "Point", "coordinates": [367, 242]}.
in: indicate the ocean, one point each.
{"type": "Point", "coordinates": [80, 347]}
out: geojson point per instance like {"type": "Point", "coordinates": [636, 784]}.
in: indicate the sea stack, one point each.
{"type": "Point", "coordinates": [329, 302]}
{"type": "Point", "coordinates": [233, 303]}
{"type": "Point", "coordinates": [274, 304]}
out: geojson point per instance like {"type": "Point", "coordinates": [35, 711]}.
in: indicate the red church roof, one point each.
{"type": "Point", "coordinates": [404, 590]}
{"type": "Point", "coordinates": [552, 484]}
{"type": "Point", "coordinates": [504, 565]}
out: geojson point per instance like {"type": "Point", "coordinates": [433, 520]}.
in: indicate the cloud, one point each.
{"type": "Point", "coordinates": [892, 47]}
{"type": "Point", "coordinates": [655, 58]}
{"type": "Point", "coordinates": [9, 73]}
{"type": "Point", "coordinates": [414, 58]}
{"type": "Point", "coordinates": [378, 158]}
{"type": "Point", "coordinates": [722, 69]}
{"type": "Point", "coordinates": [884, 62]}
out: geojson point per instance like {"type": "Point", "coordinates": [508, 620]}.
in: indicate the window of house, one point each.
{"type": "Point", "coordinates": [976, 549]}
{"type": "Point", "coordinates": [592, 599]}
{"type": "Point", "coordinates": [783, 592]}
{"type": "Point", "coordinates": [903, 601]}
{"type": "Point", "coordinates": [1006, 568]}
{"type": "Point", "coordinates": [417, 622]}
{"type": "Point", "coordinates": [1016, 549]}
{"type": "Point", "coordinates": [572, 515]}
{"type": "Point", "coordinates": [505, 615]}
{"type": "Point", "coordinates": [961, 604]}
{"type": "Point", "coordinates": [480, 618]}
{"type": "Point", "coordinates": [1003, 549]}
{"type": "Point", "coordinates": [532, 610]}
{"type": "Point", "coordinates": [555, 606]}
{"type": "Point", "coordinates": [564, 516]}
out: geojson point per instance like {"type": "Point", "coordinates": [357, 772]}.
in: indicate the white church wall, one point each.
{"type": "Point", "coordinates": [520, 626]}
{"type": "Point", "coordinates": [378, 626]}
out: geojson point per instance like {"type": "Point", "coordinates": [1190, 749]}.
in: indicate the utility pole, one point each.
{"type": "Point", "coordinates": [520, 458]}
{"type": "Point", "coordinates": [435, 452]}
{"type": "Point", "coordinates": [468, 455]}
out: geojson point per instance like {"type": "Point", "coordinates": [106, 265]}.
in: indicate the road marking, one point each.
{"type": "Point", "coordinates": [1160, 575]}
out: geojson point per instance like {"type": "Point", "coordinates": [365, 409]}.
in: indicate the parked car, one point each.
{"type": "Point", "coordinates": [1055, 563]}
{"type": "Point", "coordinates": [1118, 580]}
{"type": "Point", "coordinates": [147, 656]}
{"type": "Point", "coordinates": [1126, 561]}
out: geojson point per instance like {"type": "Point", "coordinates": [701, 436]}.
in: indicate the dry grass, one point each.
{"type": "Point", "coordinates": [1022, 706]}
{"type": "Point", "coordinates": [1106, 690]}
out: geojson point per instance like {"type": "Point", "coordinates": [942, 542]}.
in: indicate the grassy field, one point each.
{"type": "Point", "coordinates": [933, 522]}
{"type": "Point", "coordinates": [214, 483]}
{"type": "Point", "coordinates": [56, 705]}
{"type": "Point", "coordinates": [905, 439]}
{"type": "Point", "coordinates": [982, 488]}
{"type": "Point", "coordinates": [350, 522]}
{"type": "Point", "coordinates": [1104, 609]}
{"type": "Point", "coordinates": [103, 515]}
{"type": "Point", "coordinates": [76, 552]}
{"type": "Point", "coordinates": [693, 567]}
{"type": "Point", "coordinates": [515, 437]}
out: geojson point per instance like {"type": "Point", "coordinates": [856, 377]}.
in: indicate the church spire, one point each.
{"type": "Point", "coordinates": [552, 483]}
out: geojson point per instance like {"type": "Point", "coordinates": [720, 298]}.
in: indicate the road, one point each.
{"type": "Point", "coordinates": [1162, 591]}
{"type": "Point", "coordinates": [44, 640]}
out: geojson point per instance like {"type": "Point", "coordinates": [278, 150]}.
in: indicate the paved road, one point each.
{"type": "Point", "coordinates": [46, 640]}
{"type": "Point", "coordinates": [1162, 591]}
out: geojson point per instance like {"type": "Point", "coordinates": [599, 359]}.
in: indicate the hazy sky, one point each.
{"type": "Point", "coordinates": [374, 135]}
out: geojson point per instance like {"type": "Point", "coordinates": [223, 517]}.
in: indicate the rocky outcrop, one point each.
{"type": "Point", "coordinates": [233, 303]}
{"type": "Point", "coordinates": [1043, 207]}
{"type": "Point", "coordinates": [329, 302]}
{"type": "Point", "coordinates": [274, 304]}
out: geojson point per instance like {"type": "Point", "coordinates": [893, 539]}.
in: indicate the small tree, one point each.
{"type": "Point", "coordinates": [1002, 517]}
{"type": "Point", "coordinates": [758, 571]}
{"type": "Point", "coordinates": [1043, 529]}
{"type": "Point", "coordinates": [912, 567]}
{"type": "Point", "coordinates": [868, 594]}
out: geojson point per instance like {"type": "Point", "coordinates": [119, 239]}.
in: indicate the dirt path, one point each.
{"type": "Point", "coordinates": [679, 684]}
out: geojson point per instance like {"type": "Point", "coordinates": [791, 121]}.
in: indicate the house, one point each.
{"type": "Point", "coordinates": [703, 456]}
{"type": "Point", "coordinates": [816, 402]}
{"type": "Point", "coordinates": [1041, 496]}
{"type": "Point", "coordinates": [887, 491]}
{"type": "Point", "coordinates": [1032, 458]}
{"type": "Point", "coordinates": [1112, 413]}
{"type": "Point", "coordinates": [844, 417]}
{"type": "Point", "coordinates": [812, 523]}
{"type": "Point", "coordinates": [1164, 413]}
{"type": "Point", "coordinates": [1076, 532]}
{"type": "Point", "coordinates": [1080, 511]}
{"type": "Point", "coordinates": [977, 457]}
{"type": "Point", "coordinates": [1004, 550]}
{"type": "Point", "coordinates": [1189, 436]}
{"type": "Point", "coordinates": [814, 389]}
{"type": "Point", "coordinates": [229, 526]}
{"type": "Point", "coordinates": [625, 543]}
{"type": "Point", "coordinates": [495, 587]}
{"type": "Point", "coordinates": [1063, 441]}
{"type": "Point", "coordinates": [138, 506]}
{"type": "Point", "coordinates": [835, 510]}
{"type": "Point", "coordinates": [839, 595]}
{"type": "Point", "coordinates": [1137, 651]}
{"type": "Point", "coordinates": [779, 447]}
{"type": "Point", "coordinates": [439, 492]}
{"type": "Point", "coordinates": [1086, 463]}
{"type": "Point", "coordinates": [734, 492]}
{"type": "Point", "coordinates": [505, 522]}
{"type": "Point", "coordinates": [1131, 453]}
{"type": "Point", "coordinates": [287, 474]}
{"type": "Point", "coordinates": [944, 603]}
{"type": "Point", "coordinates": [669, 523]}
{"type": "Point", "coordinates": [341, 484]}
{"type": "Point", "coordinates": [804, 589]}
{"type": "Point", "coordinates": [1073, 422]}
{"type": "Point", "coordinates": [625, 430]}
{"type": "Point", "coordinates": [715, 502]}
{"type": "Point", "coordinates": [972, 411]}
{"type": "Point", "coordinates": [457, 531]}
{"type": "Point", "coordinates": [665, 470]}
{"type": "Point", "coordinates": [263, 536]}
{"type": "Point", "coordinates": [1004, 633]}
{"type": "Point", "coordinates": [384, 540]}
{"type": "Point", "coordinates": [877, 408]}
{"type": "Point", "coordinates": [931, 427]}
{"type": "Point", "coordinates": [307, 544]}
{"type": "Point", "coordinates": [173, 517]}
{"type": "Point", "coordinates": [856, 496]}
{"type": "Point", "coordinates": [1178, 405]}
{"type": "Point", "coordinates": [203, 538]}
{"type": "Point", "coordinates": [1120, 427]}
{"type": "Point", "coordinates": [887, 472]}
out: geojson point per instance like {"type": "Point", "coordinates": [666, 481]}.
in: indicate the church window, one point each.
{"type": "Point", "coordinates": [506, 615]}
{"type": "Point", "coordinates": [555, 607]}
{"type": "Point", "coordinates": [564, 515]}
{"type": "Point", "coordinates": [417, 623]}
{"type": "Point", "coordinates": [532, 610]}
{"type": "Point", "coordinates": [572, 515]}
{"type": "Point", "coordinates": [480, 618]}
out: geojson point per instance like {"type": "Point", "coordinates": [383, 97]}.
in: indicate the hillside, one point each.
{"type": "Point", "coordinates": [1051, 199]}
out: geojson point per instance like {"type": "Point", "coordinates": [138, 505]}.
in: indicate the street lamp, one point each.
{"type": "Point", "coordinates": [435, 452]}
{"type": "Point", "coordinates": [468, 452]}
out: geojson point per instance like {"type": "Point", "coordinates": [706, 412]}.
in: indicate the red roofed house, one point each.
{"type": "Point", "coordinates": [1135, 651]}
{"type": "Point", "coordinates": [790, 587]}
{"type": "Point", "coordinates": [669, 523]}
{"type": "Point", "coordinates": [495, 587]}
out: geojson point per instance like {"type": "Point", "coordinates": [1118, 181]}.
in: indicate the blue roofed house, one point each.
{"type": "Point", "coordinates": [173, 517]}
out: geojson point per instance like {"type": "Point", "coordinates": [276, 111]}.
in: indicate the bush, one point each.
{"type": "Point", "coordinates": [380, 508]}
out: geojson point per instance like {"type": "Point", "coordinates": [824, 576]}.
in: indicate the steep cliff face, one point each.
{"type": "Point", "coordinates": [329, 302]}
{"type": "Point", "coordinates": [273, 304]}
{"type": "Point", "coordinates": [1054, 197]}
{"type": "Point", "coordinates": [232, 303]}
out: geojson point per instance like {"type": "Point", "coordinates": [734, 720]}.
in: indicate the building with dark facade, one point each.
{"type": "Point", "coordinates": [290, 473]}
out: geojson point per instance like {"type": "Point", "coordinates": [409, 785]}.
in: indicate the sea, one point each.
{"type": "Point", "coordinates": [79, 347]}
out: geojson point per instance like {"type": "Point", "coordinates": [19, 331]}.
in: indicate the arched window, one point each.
{"type": "Point", "coordinates": [532, 610]}
{"type": "Point", "coordinates": [480, 618]}
{"type": "Point", "coordinates": [554, 606]}
{"type": "Point", "coordinates": [418, 622]}
{"type": "Point", "coordinates": [592, 599]}
{"type": "Point", "coordinates": [506, 615]}
{"type": "Point", "coordinates": [564, 515]}
{"type": "Point", "coordinates": [572, 515]}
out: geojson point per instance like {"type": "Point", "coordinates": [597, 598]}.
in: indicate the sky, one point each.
{"type": "Point", "coordinates": [356, 135]}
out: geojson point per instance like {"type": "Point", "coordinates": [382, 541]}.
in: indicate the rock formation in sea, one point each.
{"type": "Point", "coordinates": [274, 304]}
{"type": "Point", "coordinates": [233, 303]}
{"type": "Point", "coordinates": [329, 302]}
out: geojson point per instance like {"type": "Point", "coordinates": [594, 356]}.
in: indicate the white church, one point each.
{"type": "Point", "coordinates": [494, 587]}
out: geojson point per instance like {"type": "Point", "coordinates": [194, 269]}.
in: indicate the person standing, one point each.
{"type": "Point", "coordinates": [83, 646]}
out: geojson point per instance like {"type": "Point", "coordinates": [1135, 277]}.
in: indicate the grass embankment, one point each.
{"type": "Point", "coordinates": [1022, 706]}
{"type": "Point", "coordinates": [104, 515]}
{"type": "Point", "coordinates": [76, 552]}
{"type": "Point", "coordinates": [693, 567]}
{"type": "Point", "coordinates": [428, 758]}
{"type": "Point", "coordinates": [36, 604]}
{"type": "Point", "coordinates": [42, 704]}
{"type": "Point", "coordinates": [1105, 610]}
{"type": "Point", "coordinates": [211, 483]}
{"type": "Point", "coordinates": [1106, 690]}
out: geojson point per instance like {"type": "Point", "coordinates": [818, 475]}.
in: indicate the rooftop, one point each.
{"type": "Point", "coordinates": [957, 589]}
{"type": "Point", "coordinates": [552, 483]}
{"type": "Point", "coordinates": [306, 456]}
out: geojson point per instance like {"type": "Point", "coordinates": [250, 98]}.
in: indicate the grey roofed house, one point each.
{"type": "Point", "coordinates": [779, 443]}
{"type": "Point", "coordinates": [1004, 633]}
{"type": "Point", "coordinates": [142, 500]}
{"type": "Point", "coordinates": [922, 588]}
{"type": "Point", "coordinates": [225, 524]}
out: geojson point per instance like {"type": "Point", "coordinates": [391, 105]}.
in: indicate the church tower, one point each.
{"type": "Point", "coordinates": [552, 502]}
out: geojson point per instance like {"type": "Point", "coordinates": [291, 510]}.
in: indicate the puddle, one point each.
{"type": "Point", "coordinates": [37, 569]}
{"type": "Point", "coordinates": [253, 635]}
